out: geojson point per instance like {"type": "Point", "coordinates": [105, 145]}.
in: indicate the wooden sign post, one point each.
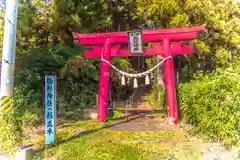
{"type": "Point", "coordinates": [50, 109]}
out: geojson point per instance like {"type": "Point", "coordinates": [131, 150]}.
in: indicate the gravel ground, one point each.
{"type": "Point", "coordinates": [3, 156]}
{"type": "Point", "coordinates": [217, 152]}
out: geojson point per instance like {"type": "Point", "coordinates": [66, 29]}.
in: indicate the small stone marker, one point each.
{"type": "Point", "coordinates": [90, 113]}
{"type": "Point", "coordinates": [24, 153]}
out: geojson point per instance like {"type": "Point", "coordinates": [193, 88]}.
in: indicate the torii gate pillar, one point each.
{"type": "Point", "coordinates": [104, 82]}
{"type": "Point", "coordinates": [170, 84]}
{"type": "Point", "coordinates": [107, 45]}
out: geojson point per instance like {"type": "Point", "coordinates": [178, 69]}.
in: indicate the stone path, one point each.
{"type": "Point", "coordinates": [148, 122]}
{"type": "Point", "coordinates": [142, 123]}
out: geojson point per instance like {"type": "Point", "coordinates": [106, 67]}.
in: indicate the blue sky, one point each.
{"type": "Point", "coordinates": [3, 3]}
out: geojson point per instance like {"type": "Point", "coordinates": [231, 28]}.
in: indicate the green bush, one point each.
{"type": "Point", "coordinates": [11, 132]}
{"type": "Point", "coordinates": [157, 99]}
{"type": "Point", "coordinates": [76, 96]}
{"type": "Point", "coordinates": [26, 100]}
{"type": "Point", "coordinates": [211, 102]}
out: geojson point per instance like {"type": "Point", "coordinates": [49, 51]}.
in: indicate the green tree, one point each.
{"type": "Point", "coordinates": [220, 40]}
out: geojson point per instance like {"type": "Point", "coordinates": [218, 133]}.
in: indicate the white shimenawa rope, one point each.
{"type": "Point", "coordinates": [137, 74]}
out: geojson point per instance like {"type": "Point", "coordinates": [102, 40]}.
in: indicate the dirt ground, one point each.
{"type": "Point", "coordinates": [150, 120]}
{"type": "Point", "coordinates": [142, 118]}
{"type": "Point", "coordinates": [147, 120]}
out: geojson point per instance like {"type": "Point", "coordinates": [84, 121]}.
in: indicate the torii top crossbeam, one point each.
{"type": "Point", "coordinates": [148, 36]}
{"type": "Point", "coordinates": [107, 45]}
{"type": "Point", "coordinates": [174, 35]}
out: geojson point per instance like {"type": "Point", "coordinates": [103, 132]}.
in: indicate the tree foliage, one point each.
{"type": "Point", "coordinates": [217, 44]}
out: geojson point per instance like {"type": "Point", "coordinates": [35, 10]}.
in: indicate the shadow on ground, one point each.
{"type": "Point", "coordinates": [87, 132]}
{"type": "Point", "coordinates": [128, 122]}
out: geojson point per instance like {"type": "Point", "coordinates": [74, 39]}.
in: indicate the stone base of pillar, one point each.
{"type": "Point", "coordinates": [24, 153]}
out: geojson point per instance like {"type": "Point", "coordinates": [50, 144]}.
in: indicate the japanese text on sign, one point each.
{"type": "Point", "coordinates": [50, 108]}
{"type": "Point", "coordinates": [135, 42]}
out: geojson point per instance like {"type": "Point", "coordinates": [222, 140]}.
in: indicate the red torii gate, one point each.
{"type": "Point", "coordinates": [107, 45]}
